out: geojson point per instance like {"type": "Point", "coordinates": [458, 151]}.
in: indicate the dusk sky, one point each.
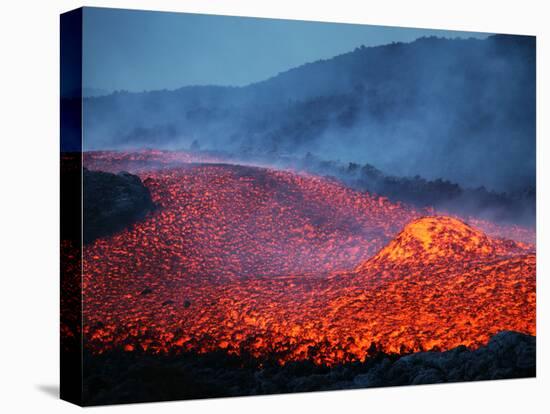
{"type": "Point", "coordinates": [141, 50]}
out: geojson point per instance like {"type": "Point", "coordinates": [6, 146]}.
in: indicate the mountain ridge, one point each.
{"type": "Point", "coordinates": [402, 107]}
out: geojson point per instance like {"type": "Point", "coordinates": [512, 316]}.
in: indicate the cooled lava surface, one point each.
{"type": "Point", "coordinates": [284, 265]}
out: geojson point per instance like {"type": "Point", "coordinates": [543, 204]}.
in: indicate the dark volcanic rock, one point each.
{"type": "Point", "coordinates": [507, 355]}
{"type": "Point", "coordinates": [112, 202]}
{"type": "Point", "coordinates": [122, 377]}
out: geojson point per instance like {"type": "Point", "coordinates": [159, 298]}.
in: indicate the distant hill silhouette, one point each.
{"type": "Point", "coordinates": [457, 109]}
{"type": "Point", "coordinates": [94, 92]}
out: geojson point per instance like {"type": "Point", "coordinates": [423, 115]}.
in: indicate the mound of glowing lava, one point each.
{"type": "Point", "coordinates": [440, 238]}
{"type": "Point", "coordinates": [282, 265]}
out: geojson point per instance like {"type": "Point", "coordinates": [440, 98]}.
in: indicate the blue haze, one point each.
{"type": "Point", "coordinates": [439, 104]}
{"type": "Point", "coordinates": [143, 50]}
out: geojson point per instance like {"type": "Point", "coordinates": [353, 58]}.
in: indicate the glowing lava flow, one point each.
{"type": "Point", "coordinates": [289, 266]}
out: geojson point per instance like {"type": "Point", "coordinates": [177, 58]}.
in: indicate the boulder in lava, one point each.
{"type": "Point", "coordinates": [112, 202]}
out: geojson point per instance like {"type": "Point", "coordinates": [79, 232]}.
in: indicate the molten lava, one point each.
{"type": "Point", "coordinates": [292, 266]}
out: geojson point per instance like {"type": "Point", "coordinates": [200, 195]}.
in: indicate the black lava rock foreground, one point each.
{"type": "Point", "coordinates": [112, 202]}
{"type": "Point", "coordinates": [507, 355]}
{"type": "Point", "coordinates": [123, 377]}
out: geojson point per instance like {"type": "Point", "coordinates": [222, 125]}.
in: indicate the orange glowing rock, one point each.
{"type": "Point", "coordinates": [293, 266]}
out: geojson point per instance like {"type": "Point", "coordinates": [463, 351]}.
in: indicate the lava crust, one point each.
{"type": "Point", "coordinates": [292, 267]}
